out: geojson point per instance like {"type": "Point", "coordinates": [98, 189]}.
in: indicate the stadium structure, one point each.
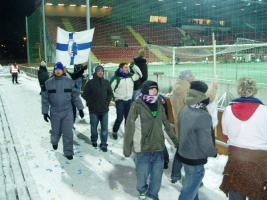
{"type": "Point", "coordinates": [222, 40]}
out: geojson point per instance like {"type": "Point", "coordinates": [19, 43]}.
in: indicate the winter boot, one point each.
{"type": "Point", "coordinates": [55, 146]}
{"type": "Point", "coordinates": [115, 135]}
{"type": "Point", "coordinates": [70, 157]}
{"type": "Point", "coordinates": [94, 144]}
{"type": "Point", "coordinates": [104, 148]}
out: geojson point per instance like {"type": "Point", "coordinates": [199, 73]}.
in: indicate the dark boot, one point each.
{"type": "Point", "coordinates": [55, 146]}
{"type": "Point", "coordinates": [115, 135]}
{"type": "Point", "coordinates": [70, 157]}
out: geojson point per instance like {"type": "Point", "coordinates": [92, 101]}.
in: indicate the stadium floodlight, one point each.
{"type": "Point", "coordinates": [72, 5]}
{"type": "Point", "coordinates": [105, 7]}
{"type": "Point", "coordinates": [49, 4]}
{"type": "Point", "coordinates": [84, 6]}
{"type": "Point", "coordinates": [179, 2]}
{"type": "Point", "coordinates": [61, 4]}
{"type": "Point", "coordinates": [94, 6]}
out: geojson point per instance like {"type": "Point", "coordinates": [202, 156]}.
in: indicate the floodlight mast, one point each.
{"type": "Point", "coordinates": [44, 30]}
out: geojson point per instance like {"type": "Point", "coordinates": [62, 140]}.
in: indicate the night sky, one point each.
{"type": "Point", "coordinates": [12, 29]}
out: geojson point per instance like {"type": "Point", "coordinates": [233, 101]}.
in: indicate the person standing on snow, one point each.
{"type": "Point", "coordinates": [178, 101]}
{"type": "Point", "coordinates": [144, 136]}
{"type": "Point", "coordinates": [97, 94]}
{"type": "Point", "coordinates": [122, 84]}
{"type": "Point", "coordinates": [43, 75]}
{"type": "Point", "coordinates": [141, 63]}
{"type": "Point", "coordinates": [196, 139]}
{"type": "Point", "coordinates": [14, 70]}
{"type": "Point", "coordinates": [244, 124]}
{"type": "Point", "coordinates": [57, 99]}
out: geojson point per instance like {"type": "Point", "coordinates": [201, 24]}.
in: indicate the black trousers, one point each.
{"type": "Point", "coordinates": [14, 77]}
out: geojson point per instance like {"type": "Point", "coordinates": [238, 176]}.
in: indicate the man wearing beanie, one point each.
{"type": "Point", "coordinates": [43, 75]}
{"type": "Point", "coordinates": [57, 100]}
{"type": "Point", "coordinates": [178, 99]}
{"type": "Point", "coordinates": [98, 93]}
{"type": "Point", "coordinates": [244, 123]}
{"type": "Point", "coordinates": [196, 142]}
{"type": "Point", "coordinates": [144, 136]}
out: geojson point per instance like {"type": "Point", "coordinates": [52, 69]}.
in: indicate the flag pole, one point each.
{"type": "Point", "coordinates": [44, 30]}
{"type": "Point", "coordinates": [88, 27]}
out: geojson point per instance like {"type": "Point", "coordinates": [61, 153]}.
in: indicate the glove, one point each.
{"type": "Point", "coordinates": [81, 113]}
{"type": "Point", "coordinates": [46, 117]}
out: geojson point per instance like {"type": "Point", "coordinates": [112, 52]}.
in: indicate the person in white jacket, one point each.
{"type": "Point", "coordinates": [244, 124]}
{"type": "Point", "coordinates": [122, 84]}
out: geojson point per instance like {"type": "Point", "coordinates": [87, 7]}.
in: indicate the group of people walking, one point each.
{"type": "Point", "coordinates": [138, 102]}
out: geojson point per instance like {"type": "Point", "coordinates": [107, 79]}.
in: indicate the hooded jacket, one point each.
{"type": "Point", "coordinates": [97, 93]}
{"type": "Point", "coordinates": [195, 139]}
{"type": "Point", "coordinates": [245, 125]}
{"type": "Point", "coordinates": [143, 132]}
{"type": "Point", "coordinates": [178, 99]}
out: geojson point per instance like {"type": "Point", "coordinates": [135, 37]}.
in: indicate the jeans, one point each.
{"type": "Point", "coordinates": [176, 168]}
{"type": "Point", "coordinates": [94, 120]}
{"type": "Point", "coordinates": [136, 94]}
{"type": "Point", "coordinates": [78, 83]}
{"type": "Point", "coordinates": [149, 165]}
{"type": "Point", "coordinates": [122, 110]}
{"type": "Point", "coordinates": [236, 196]}
{"type": "Point", "coordinates": [193, 178]}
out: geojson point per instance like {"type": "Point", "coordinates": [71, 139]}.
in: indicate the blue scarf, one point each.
{"type": "Point", "coordinates": [247, 100]}
{"type": "Point", "coordinates": [122, 74]}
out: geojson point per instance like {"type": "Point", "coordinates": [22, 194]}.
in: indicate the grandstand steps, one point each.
{"type": "Point", "coordinates": [181, 31]}
{"type": "Point", "coordinates": [137, 36]}
{"type": "Point", "coordinates": [159, 55]}
{"type": "Point", "coordinates": [67, 25]}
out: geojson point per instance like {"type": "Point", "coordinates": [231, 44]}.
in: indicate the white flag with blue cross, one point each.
{"type": "Point", "coordinates": [73, 47]}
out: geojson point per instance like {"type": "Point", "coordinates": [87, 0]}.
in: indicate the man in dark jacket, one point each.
{"type": "Point", "coordinates": [97, 94]}
{"type": "Point", "coordinates": [140, 61]}
{"type": "Point", "coordinates": [43, 75]}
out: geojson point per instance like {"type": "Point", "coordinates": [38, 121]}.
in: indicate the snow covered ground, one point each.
{"type": "Point", "coordinates": [92, 174]}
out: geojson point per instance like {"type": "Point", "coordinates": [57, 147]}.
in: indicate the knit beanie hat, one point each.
{"type": "Point", "coordinates": [59, 65]}
{"type": "Point", "coordinates": [148, 85]}
{"type": "Point", "coordinates": [199, 86]}
{"type": "Point", "coordinates": [99, 67]}
{"type": "Point", "coordinates": [196, 93]}
{"type": "Point", "coordinates": [185, 74]}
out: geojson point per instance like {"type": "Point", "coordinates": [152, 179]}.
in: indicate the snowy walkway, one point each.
{"type": "Point", "coordinates": [30, 169]}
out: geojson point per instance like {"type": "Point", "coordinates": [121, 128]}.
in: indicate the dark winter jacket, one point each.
{"type": "Point", "coordinates": [43, 76]}
{"type": "Point", "coordinates": [76, 74]}
{"type": "Point", "coordinates": [142, 64]}
{"type": "Point", "coordinates": [97, 94]}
